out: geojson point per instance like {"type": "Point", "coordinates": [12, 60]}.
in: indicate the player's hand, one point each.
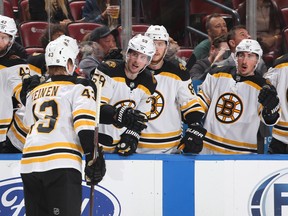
{"type": "Point", "coordinates": [132, 119]}
{"type": "Point", "coordinates": [269, 99]}
{"type": "Point", "coordinates": [192, 142]}
{"type": "Point", "coordinates": [28, 84]}
{"type": "Point", "coordinates": [128, 143]}
{"type": "Point", "coordinates": [95, 170]}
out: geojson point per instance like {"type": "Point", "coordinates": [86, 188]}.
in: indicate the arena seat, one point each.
{"type": "Point", "coordinates": [30, 32]}
{"type": "Point", "coordinates": [136, 29]}
{"type": "Point", "coordinates": [8, 9]}
{"type": "Point", "coordinates": [78, 30]}
{"type": "Point", "coordinates": [76, 9]}
{"type": "Point", "coordinates": [184, 53]}
{"type": "Point", "coordinates": [23, 12]}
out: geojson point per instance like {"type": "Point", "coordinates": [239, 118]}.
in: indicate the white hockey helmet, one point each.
{"type": "Point", "coordinates": [157, 32]}
{"type": "Point", "coordinates": [60, 50]}
{"type": "Point", "coordinates": [142, 44]}
{"type": "Point", "coordinates": [8, 26]}
{"type": "Point", "coordinates": [249, 45]}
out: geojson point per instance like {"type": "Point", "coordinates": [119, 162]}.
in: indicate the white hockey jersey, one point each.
{"type": "Point", "coordinates": [56, 111]}
{"type": "Point", "coordinates": [11, 72]}
{"type": "Point", "coordinates": [173, 99]}
{"type": "Point", "coordinates": [278, 76]}
{"type": "Point", "coordinates": [233, 113]}
{"type": "Point", "coordinates": [118, 90]}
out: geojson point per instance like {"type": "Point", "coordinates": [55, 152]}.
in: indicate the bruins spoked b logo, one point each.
{"type": "Point", "coordinates": [229, 108]}
{"type": "Point", "coordinates": [157, 105]}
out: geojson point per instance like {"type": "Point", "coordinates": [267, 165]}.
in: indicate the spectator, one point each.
{"type": "Point", "coordinates": [97, 11]}
{"type": "Point", "coordinates": [218, 51]}
{"type": "Point", "coordinates": [92, 55]}
{"type": "Point", "coordinates": [235, 100]}
{"type": "Point", "coordinates": [108, 41]}
{"type": "Point", "coordinates": [171, 54]}
{"type": "Point", "coordinates": [234, 37]}
{"type": "Point", "coordinates": [56, 11]}
{"type": "Point", "coordinates": [174, 101]}
{"type": "Point", "coordinates": [278, 77]}
{"type": "Point", "coordinates": [215, 26]}
{"type": "Point", "coordinates": [268, 26]}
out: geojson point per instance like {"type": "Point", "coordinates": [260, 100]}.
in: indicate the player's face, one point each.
{"type": "Point", "coordinates": [246, 63]}
{"type": "Point", "coordinates": [161, 47]}
{"type": "Point", "coordinates": [136, 61]}
{"type": "Point", "coordinates": [107, 43]}
{"type": "Point", "coordinates": [4, 42]}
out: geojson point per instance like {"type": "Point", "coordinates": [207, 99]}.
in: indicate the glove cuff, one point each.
{"type": "Point", "coordinates": [132, 133]}
{"type": "Point", "coordinates": [120, 112]}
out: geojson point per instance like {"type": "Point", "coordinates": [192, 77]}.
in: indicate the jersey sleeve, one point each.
{"type": "Point", "coordinates": [272, 75]}
{"type": "Point", "coordinates": [107, 85]}
{"type": "Point", "coordinates": [189, 102]}
{"type": "Point", "coordinates": [83, 108]}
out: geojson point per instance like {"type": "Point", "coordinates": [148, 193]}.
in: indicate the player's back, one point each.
{"type": "Point", "coordinates": [57, 110]}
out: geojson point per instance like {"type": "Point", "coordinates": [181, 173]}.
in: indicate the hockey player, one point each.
{"type": "Point", "coordinates": [127, 85]}
{"type": "Point", "coordinates": [236, 100]}
{"type": "Point", "coordinates": [174, 100]}
{"type": "Point", "coordinates": [278, 76]}
{"type": "Point", "coordinates": [61, 115]}
{"type": "Point", "coordinates": [12, 68]}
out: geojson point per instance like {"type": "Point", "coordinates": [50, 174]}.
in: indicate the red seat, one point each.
{"type": "Point", "coordinates": [14, 5]}
{"type": "Point", "coordinates": [136, 29]}
{"type": "Point", "coordinates": [236, 3]}
{"type": "Point", "coordinates": [78, 30]}
{"type": "Point", "coordinates": [8, 9]}
{"type": "Point", "coordinates": [204, 8]}
{"type": "Point", "coordinates": [30, 33]}
{"type": "Point", "coordinates": [284, 14]}
{"type": "Point", "coordinates": [24, 14]}
{"type": "Point", "coordinates": [285, 35]}
{"type": "Point", "coordinates": [76, 9]}
{"type": "Point", "coordinates": [281, 3]}
{"type": "Point", "coordinates": [184, 53]}
{"type": "Point", "coordinates": [31, 50]}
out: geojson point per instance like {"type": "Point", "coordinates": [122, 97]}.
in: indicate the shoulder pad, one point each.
{"type": "Point", "coordinates": [112, 63]}
{"type": "Point", "coordinates": [222, 69]}
{"type": "Point", "coordinates": [281, 61]}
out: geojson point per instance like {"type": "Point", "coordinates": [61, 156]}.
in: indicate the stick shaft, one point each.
{"type": "Point", "coordinates": [96, 142]}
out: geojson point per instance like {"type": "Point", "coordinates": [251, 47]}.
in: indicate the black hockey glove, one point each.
{"type": "Point", "coordinates": [192, 142]}
{"type": "Point", "coordinates": [95, 170]}
{"type": "Point", "coordinates": [28, 84]}
{"type": "Point", "coordinates": [269, 99]}
{"type": "Point", "coordinates": [128, 143]}
{"type": "Point", "coordinates": [114, 54]}
{"type": "Point", "coordinates": [130, 118]}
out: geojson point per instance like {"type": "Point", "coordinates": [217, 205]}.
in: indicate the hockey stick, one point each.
{"type": "Point", "coordinates": [96, 142]}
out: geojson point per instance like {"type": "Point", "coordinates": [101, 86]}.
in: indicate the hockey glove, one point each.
{"type": "Point", "coordinates": [130, 118]}
{"type": "Point", "coordinates": [270, 101]}
{"type": "Point", "coordinates": [192, 142]}
{"type": "Point", "coordinates": [128, 143]}
{"type": "Point", "coordinates": [28, 84]}
{"type": "Point", "coordinates": [95, 170]}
